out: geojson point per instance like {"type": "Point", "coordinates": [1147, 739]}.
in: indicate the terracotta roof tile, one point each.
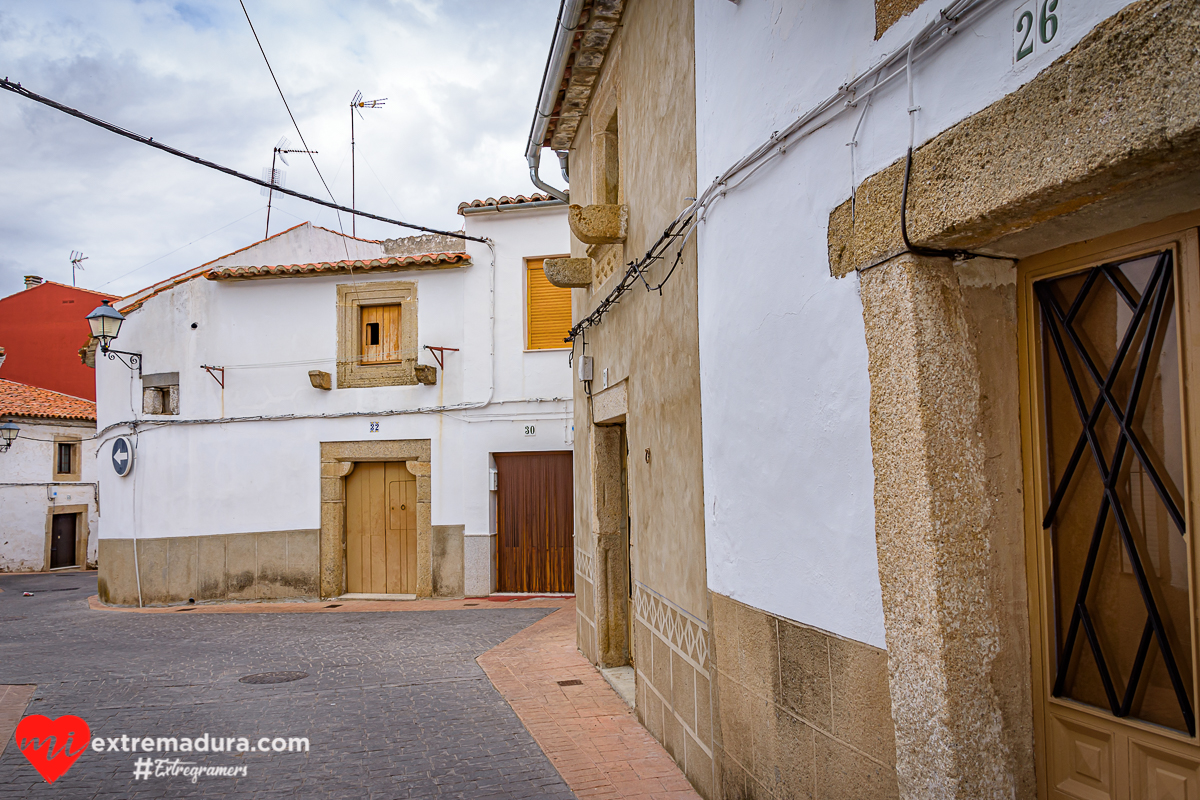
{"type": "Point", "coordinates": [492, 202]}
{"type": "Point", "coordinates": [386, 264]}
{"type": "Point", "coordinates": [23, 400]}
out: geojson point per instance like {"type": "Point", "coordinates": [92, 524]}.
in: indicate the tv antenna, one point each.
{"type": "Point", "coordinates": [276, 177]}
{"type": "Point", "coordinates": [76, 263]}
{"type": "Point", "coordinates": [356, 106]}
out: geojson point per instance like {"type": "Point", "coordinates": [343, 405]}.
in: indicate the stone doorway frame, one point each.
{"type": "Point", "coordinates": [949, 509]}
{"type": "Point", "coordinates": [337, 461]}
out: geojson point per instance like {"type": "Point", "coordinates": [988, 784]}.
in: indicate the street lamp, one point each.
{"type": "Point", "coordinates": [106, 324]}
{"type": "Point", "coordinates": [8, 435]}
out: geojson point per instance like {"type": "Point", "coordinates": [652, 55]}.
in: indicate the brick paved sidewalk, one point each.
{"type": "Point", "coordinates": [587, 731]}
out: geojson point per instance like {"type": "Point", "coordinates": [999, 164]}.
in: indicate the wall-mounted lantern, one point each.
{"type": "Point", "coordinates": [8, 435]}
{"type": "Point", "coordinates": [106, 324]}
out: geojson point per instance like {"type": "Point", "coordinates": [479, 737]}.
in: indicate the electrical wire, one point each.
{"type": "Point", "coordinates": [379, 181]}
{"type": "Point", "coordinates": [144, 425]}
{"type": "Point", "coordinates": [913, 108]}
{"type": "Point", "coordinates": [177, 249]}
{"type": "Point", "coordinates": [16, 88]}
{"type": "Point", "coordinates": [898, 63]}
{"type": "Point", "coordinates": [292, 116]}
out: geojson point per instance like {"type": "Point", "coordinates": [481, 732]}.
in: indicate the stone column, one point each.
{"type": "Point", "coordinates": [611, 553]}
{"type": "Point", "coordinates": [421, 470]}
{"type": "Point", "coordinates": [931, 508]}
{"type": "Point", "coordinates": [333, 523]}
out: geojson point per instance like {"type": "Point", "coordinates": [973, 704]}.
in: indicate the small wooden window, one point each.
{"type": "Point", "coordinates": [381, 334]}
{"type": "Point", "coordinates": [65, 458]}
{"type": "Point", "coordinates": [549, 309]}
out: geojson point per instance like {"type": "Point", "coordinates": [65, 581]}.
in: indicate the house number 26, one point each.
{"type": "Point", "coordinates": [1036, 27]}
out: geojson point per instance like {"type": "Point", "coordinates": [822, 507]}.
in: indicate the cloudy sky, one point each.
{"type": "Point", "coordinates": [460, 77]}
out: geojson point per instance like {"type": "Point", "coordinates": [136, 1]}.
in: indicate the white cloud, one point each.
{"type": "Point", "coordinates": [461, 78]}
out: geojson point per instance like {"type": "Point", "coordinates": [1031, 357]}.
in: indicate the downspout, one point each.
{"type": "Point", "coordinates": [556, 66]}
{"type": "Point", "coordinates": [564, 157]}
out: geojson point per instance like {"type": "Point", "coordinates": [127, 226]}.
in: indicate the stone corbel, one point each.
{"type": "Point", "coordinates": [320, 379]}
{"type": "Point", "coordinates": [569, 273]}
{"type": "Point", "coordinates": [426, 374]}
{"type": "Point", "coordinates": [599, 224]}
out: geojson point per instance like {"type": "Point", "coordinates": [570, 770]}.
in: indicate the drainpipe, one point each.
{"type": "Point", "coordinates": [556, 66]}
{"type": "Point", "coordinates": [563, 159]}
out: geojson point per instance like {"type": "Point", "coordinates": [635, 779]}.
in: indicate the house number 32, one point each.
{"type": "Point", "coordinates": [1036, 27]}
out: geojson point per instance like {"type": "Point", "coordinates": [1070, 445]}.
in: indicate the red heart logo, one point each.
{"type": "Point", "coordinates": [50, 744]}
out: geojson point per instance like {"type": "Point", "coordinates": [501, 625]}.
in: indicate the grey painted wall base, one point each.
{"type": "Point", "coordinates": [479, 556]}
{"type": "Point", "coordinates": [446, 543]}
{"type": "Point", "coordinates": [269, 565]}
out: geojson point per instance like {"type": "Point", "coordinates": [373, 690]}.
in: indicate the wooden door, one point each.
{"type": "Point", "coordinates": [535, 513]}
{"type": "Point", "coordinates": [1109, 351]}
{"type": "Point", "coordinates": [381, 529]}
{"type": "Point", "coordinates": [62, 541]}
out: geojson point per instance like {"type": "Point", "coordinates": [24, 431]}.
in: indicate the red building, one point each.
{"type": "Point", "coordinates": [41, 331]}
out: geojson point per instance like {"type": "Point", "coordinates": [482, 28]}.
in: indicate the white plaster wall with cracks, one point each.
{"type": "Point", "coordinates": [788, 477]}
{"type": "Point", "coordinates": [195, 475]}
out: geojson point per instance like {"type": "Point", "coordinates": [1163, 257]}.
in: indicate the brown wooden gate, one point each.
{"type": "Point", "coordinates": [535, 512]}
{"type": "Point", "coordinates": [381, 529]}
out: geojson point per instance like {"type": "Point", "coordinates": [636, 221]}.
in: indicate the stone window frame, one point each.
{"type": "Point", "coordinates": [160, 394]}
{"type": "Point", "coordinates": [351, 373]}
{"type": "Point", "coordinates": [76, 457]}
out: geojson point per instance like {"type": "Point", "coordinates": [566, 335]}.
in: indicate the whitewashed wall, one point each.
{"type": "Point", "coordinates": [23, 508]}
{"type": "Point", "coordinates": [212, 478]}
{"type": "Point", "coordinates": [788, 479]}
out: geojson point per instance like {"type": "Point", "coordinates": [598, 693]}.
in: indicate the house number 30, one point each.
{"type": "Point", "coordinates": [1036, 27]}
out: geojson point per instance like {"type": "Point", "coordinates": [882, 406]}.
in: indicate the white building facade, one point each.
{"type": "Point", "coordinates": [318, 415]}
{"type": "Point", "coordinates": [883, 487]}
{"type": "Point", "coordinates": [49, 507]}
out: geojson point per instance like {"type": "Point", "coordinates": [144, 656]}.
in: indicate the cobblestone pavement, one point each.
{"type": "Point", "coordinates": [394, 705]}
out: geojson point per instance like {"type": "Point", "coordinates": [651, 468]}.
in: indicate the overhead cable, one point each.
{"type": "Point", "coordinates": [295, 124]}
{"type": "Point", "coordinates": [17, 88]}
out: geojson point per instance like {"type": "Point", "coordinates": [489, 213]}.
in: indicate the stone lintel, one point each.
{"type": "Point", "coordinates": [1113, 115]}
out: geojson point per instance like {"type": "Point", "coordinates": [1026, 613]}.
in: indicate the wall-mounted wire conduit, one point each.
{"type": "Point", "coordinates": [897, 64]}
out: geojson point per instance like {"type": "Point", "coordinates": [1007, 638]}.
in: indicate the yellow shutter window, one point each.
{"type": "Point", "coordinates": [549, 309]}
{"type": "Point", "coordinates": [380, 335]}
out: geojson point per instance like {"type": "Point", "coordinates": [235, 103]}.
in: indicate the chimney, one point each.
{"type": "Point", "coordinates": [32, 281]}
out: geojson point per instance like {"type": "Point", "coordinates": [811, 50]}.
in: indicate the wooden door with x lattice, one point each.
{"type": "Point", "coordinates": [1109, 350]}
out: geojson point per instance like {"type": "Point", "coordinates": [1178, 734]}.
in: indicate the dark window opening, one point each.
{"type": "Point", "coordinates": [65, 451]}
{"type": "Point", "coordinates": [373, 333]}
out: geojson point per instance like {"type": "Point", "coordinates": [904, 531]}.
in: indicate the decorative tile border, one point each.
{"type": "Point", "coordinates": [685, 633]}
{"type": "Point", "coordinates": [584, 566]}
